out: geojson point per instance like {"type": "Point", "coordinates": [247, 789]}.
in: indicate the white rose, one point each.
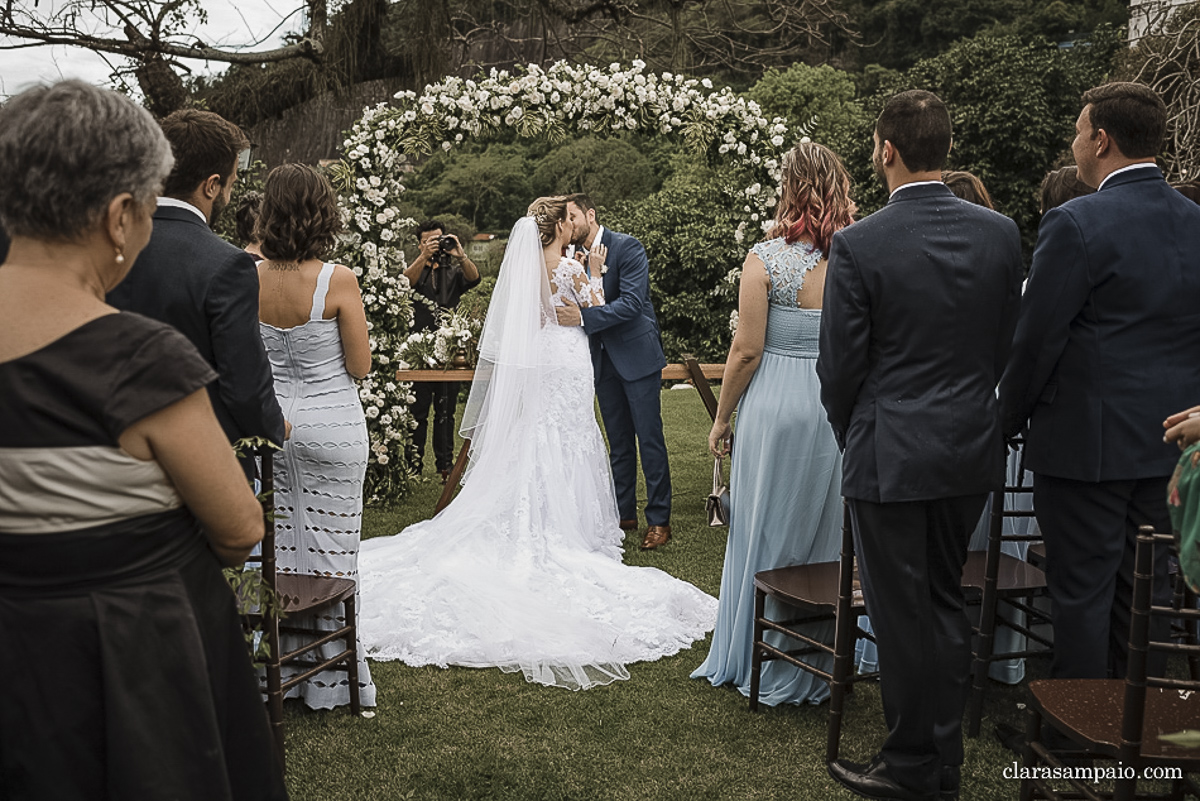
{"type": "Point", "coordinates": [372, 412]}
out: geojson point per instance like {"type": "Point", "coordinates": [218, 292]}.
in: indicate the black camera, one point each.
{"type": "Point", "coordinates": [447, 242]}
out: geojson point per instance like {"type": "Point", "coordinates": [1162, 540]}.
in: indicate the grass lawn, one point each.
{"type": "Point", "coordinates": [474, 734]}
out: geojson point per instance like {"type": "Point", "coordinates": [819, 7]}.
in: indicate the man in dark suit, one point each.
{"type": "Point", "coordinates": [4, 243]}
{"type": "Point", "coordinates": [921, 299]}
{"type": "Point", "coordinates": [1105, 349]}
{"type": "Point", "coordinates": [628, 359]}
{"type": "Point", "coordinates": [189, 277]}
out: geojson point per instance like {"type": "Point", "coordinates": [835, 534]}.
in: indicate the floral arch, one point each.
{"type": "Point", "coordinates": [554, 103]}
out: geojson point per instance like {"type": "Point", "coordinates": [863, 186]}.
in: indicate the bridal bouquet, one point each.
{"type": "Point", "coordinates": [454, 343]}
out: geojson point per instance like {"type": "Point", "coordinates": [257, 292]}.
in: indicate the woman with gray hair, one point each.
{"type": "Point", "coordinates": [125, 671]}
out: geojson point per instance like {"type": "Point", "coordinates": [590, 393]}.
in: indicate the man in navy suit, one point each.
{"type": "Point", "coordinates": [1105, 349]}
{"type": "Point", "coordinates": [190, 278]}
{"type": "Point", "coordinates": [628, 359]}
{"type": "Point", "coordinates": [921, 300]}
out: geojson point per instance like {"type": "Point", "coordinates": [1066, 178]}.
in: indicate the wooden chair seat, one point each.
{"type": "Point", "coordinates": [814, 585]}
{"type": "Point", "coordinates": [299, 594]}
{"type": "Point", "coordinates": [1013, 575]}
{"type": "Point", "coordinates": [1089, 711]}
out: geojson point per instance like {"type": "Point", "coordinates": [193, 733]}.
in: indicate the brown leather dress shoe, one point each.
{"type": "Point", "coordinates": [656, 536]}
{"type": "Point", "coordinates": [629, 525]}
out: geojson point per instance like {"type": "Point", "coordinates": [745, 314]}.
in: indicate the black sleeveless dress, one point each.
{"type": "Point", "coordinates": [124, 672]}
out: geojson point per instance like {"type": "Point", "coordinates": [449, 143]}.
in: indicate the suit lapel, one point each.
{"type": "Point", "coordinates": [610, 278]}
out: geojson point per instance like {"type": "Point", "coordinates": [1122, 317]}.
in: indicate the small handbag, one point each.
{"type": "Point", "coordinates": [717, 504]}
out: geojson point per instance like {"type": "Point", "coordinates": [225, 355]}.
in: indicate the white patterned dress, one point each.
{"type": "Point", "coordinates": [319, 473]}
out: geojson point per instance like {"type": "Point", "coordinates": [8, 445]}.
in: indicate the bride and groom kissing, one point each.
{"type": "Point", "coordinates": [627, 360]}
{"type": "Point", "coordinates": [524, 571]}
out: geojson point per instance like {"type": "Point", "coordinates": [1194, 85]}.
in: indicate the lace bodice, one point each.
{"type": "Point", "coordinates": [569, 282]}
{"type": "Point", "coordinates": [787, 265]}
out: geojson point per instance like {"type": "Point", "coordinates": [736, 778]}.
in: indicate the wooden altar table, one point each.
{"type": "Point", "coordinates": [690, 370]}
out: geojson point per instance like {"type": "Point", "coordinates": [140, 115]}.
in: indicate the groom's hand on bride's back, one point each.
{"type": "Point", "coordinates": [569, 314]}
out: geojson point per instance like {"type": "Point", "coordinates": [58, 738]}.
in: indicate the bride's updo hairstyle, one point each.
{"type": "Point", "coordinates": [299, 217]}
{"type": "Point", "coordinates": [815, 199]}
{"type": "Point", "coordinates": [547, 213]}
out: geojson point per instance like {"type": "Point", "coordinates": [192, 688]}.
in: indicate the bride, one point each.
{"type": "Point", "coordinates": [523, 570]}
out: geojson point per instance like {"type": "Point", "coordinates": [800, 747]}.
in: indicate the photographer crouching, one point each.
{"type": "Point", "coordinates": [441, 272]}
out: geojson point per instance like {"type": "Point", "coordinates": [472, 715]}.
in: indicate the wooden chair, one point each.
{"type": "Point", "coordinates": [1111, 719]}
{"type": "Point", "coordinates": [1004, 582]}
{"type": "Point", "coordinates": [300, 595]}
{"type": "Point", "coordinates": [696, 373]}
{"type": "Point", "coordinates": [815, 593]}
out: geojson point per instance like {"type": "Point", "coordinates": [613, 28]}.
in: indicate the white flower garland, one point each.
{"type": "Point", "coordinates": [554, 103]}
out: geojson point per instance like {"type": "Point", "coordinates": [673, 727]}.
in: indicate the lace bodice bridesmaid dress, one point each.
{"type": "Point", "coordinates": [785, 481]}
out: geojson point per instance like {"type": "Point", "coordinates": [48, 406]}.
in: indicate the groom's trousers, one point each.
{"type": "Point", "coordinates": [910, 561]}
{"type": "Point", "coordinates": [632, 413]}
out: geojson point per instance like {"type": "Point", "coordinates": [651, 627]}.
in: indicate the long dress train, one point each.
{"type": "Point", "coordinates": [523, 571]}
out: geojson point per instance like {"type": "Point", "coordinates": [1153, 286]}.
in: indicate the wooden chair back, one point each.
{"type": "Point", "coordinates": [299, 595]}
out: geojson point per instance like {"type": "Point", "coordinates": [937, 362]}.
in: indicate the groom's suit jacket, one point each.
{"type": "Point", "coordinates": [190, 278]}
{"type": "Point", "coordinates": [625, 326]}
{"type": "Point", "coordinates": [921, 300]}
{"type": "Point", "coordinates": [1108, 342]}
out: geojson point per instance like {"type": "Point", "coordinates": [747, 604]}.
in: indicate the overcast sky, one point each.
{"type": "Point", "coordinates": [230, 24]}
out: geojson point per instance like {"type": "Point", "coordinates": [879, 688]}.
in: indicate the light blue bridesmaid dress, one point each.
{"type": "Point", "coordinates": [785, 483]}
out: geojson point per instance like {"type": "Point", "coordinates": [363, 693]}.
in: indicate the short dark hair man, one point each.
{"type": "Point", "coordinates": [921, 299]}
{"type": "Point", "coordinates": [192, 279]}
{"type": "Point", "coordinates": [441, 273]}
{"type": "Point", "coordinates": [627, 357]}
{"type": "Point", "coordinates": [1104, 351]}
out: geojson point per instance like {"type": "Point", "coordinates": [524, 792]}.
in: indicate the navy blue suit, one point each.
{"type": "Point", "coordinates": [1106, 348]}
{"type": "Point", "coordinates": [190, 278]}
{"type": "Point", "coordinates": [921, 300]}
{"type": "Point", "coordinates": [627, 358]}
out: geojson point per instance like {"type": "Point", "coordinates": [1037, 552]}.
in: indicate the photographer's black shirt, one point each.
{"type": "Point", "coordinates": [444, 286]}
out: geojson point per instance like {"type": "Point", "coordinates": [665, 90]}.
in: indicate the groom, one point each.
{"type": "Point", "coordinates": [921, 301]}
{"type": "Point", "coordinates": [627, 357]}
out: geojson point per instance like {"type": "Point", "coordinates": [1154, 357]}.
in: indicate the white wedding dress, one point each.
{"type": "Point", "coordinates": [523, 570]}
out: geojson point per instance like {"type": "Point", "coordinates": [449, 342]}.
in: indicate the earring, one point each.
{"type": "Point", "coordinates": [120, 257]}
